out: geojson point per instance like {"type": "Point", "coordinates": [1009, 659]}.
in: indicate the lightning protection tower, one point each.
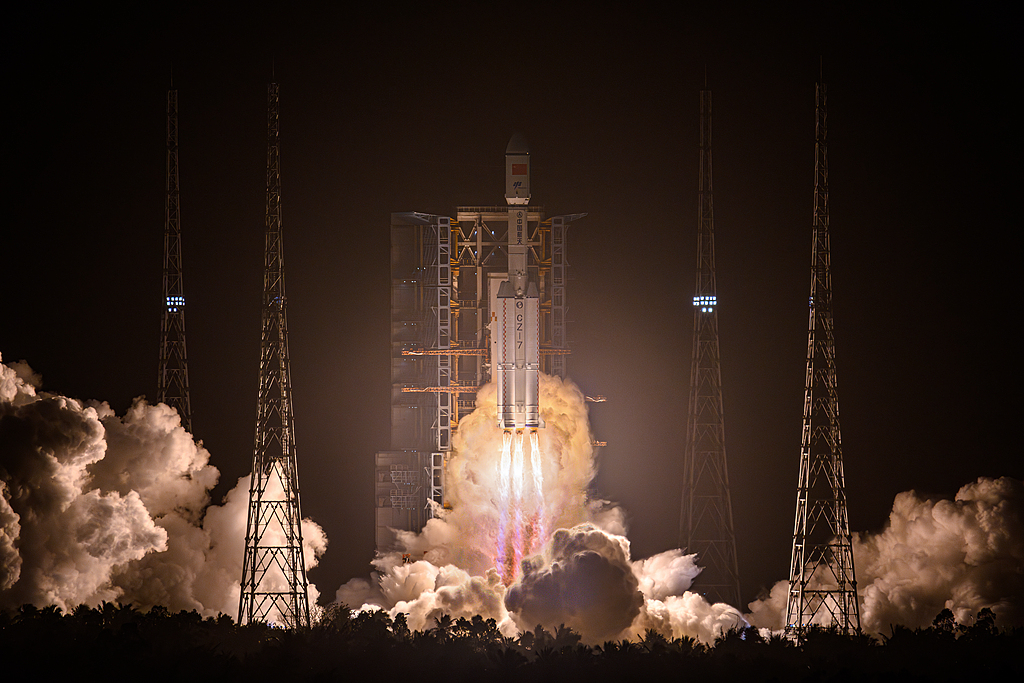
{"type": "Point", "coordinates": [273, 570]}
{"type": "Point", "coordinates": [172, 379]}
{"type": "Point", "coordinates": [705, 525]}
{"type": "Point", "coordinates": [822, 584]}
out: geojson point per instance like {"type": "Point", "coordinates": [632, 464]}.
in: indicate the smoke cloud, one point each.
{"type": "Point", "coordinates": [584, 580]}
{"type": "Point", "coordinates": [963, 555]}
{"type": "Point", "coordinates": [96, 507]}
{"type": "Point", "coordinates": [577, 573]}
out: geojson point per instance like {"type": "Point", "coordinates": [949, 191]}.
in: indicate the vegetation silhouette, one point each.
{"type": "Point", "coordinates": [118, 640]}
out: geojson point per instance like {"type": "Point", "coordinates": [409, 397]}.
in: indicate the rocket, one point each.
{"type": "Point", "coordinates": [515, 331]}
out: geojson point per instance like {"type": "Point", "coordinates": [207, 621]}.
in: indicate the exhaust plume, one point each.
{"type": "Point", "coordinates": [579, 573]}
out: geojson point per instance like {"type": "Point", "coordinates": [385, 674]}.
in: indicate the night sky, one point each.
{"type": "Point", "coordinates": [411, 110]}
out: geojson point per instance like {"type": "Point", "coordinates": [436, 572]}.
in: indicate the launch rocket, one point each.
{"type": "Point", "coordinates": [515, 332]}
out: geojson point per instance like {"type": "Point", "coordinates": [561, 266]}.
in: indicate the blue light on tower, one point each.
{"type": "Point", "coordinates": [175, 303]}
{"type": "Point", "coordinates": [706, 302]}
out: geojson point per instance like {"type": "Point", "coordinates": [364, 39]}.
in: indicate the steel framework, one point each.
{"type": "Point", "coordinates": [172, 378]}
{"type": "Point", "coordinates": [274, 586]}
{"type": "Point", "coordinates": [443, 270]}
{"type": "Point", "coordinates": [705, 525]}
{"type": "Point", "coordinates": [822, 583]}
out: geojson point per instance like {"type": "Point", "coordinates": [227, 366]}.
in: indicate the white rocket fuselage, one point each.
{"type": "Point", "coordinates": [516, 331]}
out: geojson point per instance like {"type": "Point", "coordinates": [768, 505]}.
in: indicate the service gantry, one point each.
{"type": "Point", "coordinates": [172, 378]}
{"type": "Point", "coordinates": [274, 586]}
{"type": "Point", "coordinates": [705, 524]}
{"type": "Point", "coordinates": [822, 583]}
{"type": "Point", "coordinates": [444, 272]}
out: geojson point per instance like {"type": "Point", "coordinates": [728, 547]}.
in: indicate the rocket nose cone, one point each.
{"type": "Point", "coordinates": [517, 145]}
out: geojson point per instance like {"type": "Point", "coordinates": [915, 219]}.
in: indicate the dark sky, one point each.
{"type": "Point", "coordinates": [410, 110]}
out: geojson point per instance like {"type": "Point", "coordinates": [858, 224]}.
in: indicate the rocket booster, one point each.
{"type": "Point", "coordinates": [515, 335]}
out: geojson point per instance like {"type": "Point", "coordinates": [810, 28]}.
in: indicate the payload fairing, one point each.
{"type": "Point", "coordinates": [515, 323]}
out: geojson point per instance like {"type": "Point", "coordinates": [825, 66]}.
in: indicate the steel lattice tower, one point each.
{"type": "Point", "coordinates": [273, 571]}
{"type": "Point", "coordinates": [822, 584]}
{"type": "Point", "coordinates": [172, 379]}
{"type": "Point", "coordinates": [705, 525]}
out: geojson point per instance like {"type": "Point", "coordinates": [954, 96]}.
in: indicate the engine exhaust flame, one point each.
{"type": "Point", "coordinates": [521, 523]}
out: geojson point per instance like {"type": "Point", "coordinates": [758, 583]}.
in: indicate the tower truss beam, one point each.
{"type": "Point", "coordinates": [706, 524]}
{"type": "Point", "coordinates": [172, 378]}
{"type": "Point", "coordinates": [822, 582]}
{"type": "Point", "coordinates": [274, 586]}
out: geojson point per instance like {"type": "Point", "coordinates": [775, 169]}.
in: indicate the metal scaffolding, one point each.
{"type": "Point", "coordinates": [172, 378]}
{"type": "Point", "coordinates": [705, 525]}
{"type": "Point", "coordinates": [274, 586]}
{"type": "Point", "coordinates": [822, 583]}
{"type": "Point", "coordinates": [443, 271]}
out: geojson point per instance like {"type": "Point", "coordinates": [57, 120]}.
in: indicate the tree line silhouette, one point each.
{"type": "Point", "coordinates": [120, 641]}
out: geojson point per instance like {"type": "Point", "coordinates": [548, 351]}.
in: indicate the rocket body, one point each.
{"type": "Point", "coordinates": [515, 332]}
{"type": "Point", "coordinates": [518, 358]}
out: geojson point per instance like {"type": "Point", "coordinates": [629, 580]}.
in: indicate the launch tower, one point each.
{"type": "Point", "coordinates": [445, 279]}
{"type": "Point", "coordinates": [822, 584]}
{"type": "Point", "coordinates": [172, 379]}
{"type": "Point", "coordinates": [705, 525]}
{"type": "Point", "coordinates": [273, 571]}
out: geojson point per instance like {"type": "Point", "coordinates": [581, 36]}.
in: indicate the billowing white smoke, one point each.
{"type": "Point", "coordinates": [963, 554]}
{"type": "Point", "coordinates": [94, 507]}
{"type": "Point", "coordinates": [581, 575]}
